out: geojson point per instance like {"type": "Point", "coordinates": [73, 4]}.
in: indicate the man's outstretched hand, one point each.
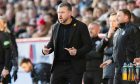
{"type": "Point", "coordinates": [46, 50]}
{"type": "Point", "coordinates": [72, 51]}
{"type": "Point", "coordinates": [106, 63]}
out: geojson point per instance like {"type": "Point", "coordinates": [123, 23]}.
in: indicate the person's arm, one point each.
{"type": "Point", "coordinates": [86, 40]}
{"type": "Point", "coordinates": [137, 45]}
{"type": "Point", "coordinates": [50, 46]}
{"type": "Point", "coordinates": [100, 47]}
{"type": "Point", "coordinates": [137, 42]}
{"type": "Point", "coordinates": [7, 50]}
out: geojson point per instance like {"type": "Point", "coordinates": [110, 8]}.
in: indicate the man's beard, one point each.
{"type": "Point", "coordinates": [63, 20]}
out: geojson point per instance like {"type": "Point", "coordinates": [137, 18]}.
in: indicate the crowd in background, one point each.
{"type": "Point", "coordinates": [34, 18]}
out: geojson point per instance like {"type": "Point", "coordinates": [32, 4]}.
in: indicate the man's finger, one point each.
{"type": "Point", "coordinates": [67, 49]}
{"type": "Point", "coordinates": [73, 48]}
{"type": "Point", "coordinates": [49, 49]}
{"type": "Point", "coordinates": [103, 65]}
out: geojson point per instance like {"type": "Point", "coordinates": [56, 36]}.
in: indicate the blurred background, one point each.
{"type": "Point", "coordinates": [31, 21]}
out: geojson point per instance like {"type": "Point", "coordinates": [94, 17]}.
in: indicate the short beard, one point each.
{"type": "Point", "coordinates": [64, 21]}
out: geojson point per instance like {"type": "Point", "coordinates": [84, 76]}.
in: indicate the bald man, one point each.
{"type": "Point", "coordinates": [93, 74]}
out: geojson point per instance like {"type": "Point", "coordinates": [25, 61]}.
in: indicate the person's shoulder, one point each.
{"type": "Point", "coordinates": [4, 34]}
{"type": "Point", "coordinates": [80, 23]}
{"type": "Point", "coordinates": [134, 27]}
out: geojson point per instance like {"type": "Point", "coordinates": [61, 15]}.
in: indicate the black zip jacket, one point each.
{"type": "Point", "coordinates": [126, 43]}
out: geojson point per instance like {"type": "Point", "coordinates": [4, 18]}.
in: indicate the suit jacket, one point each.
{"type": "Point", "coordinates": [79, 38]}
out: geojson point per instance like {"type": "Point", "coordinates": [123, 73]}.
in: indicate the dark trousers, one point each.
{"type": "Point", "coordinates": [118, 77]}
{"type": "Point", "coordinates": [64, 73]}
{"type": "Point", "coordinates": [108, 81]}
{"type": "Point", "coordinates": [94, 77]}
{"type": "Point", "coordinates": [42, 82]}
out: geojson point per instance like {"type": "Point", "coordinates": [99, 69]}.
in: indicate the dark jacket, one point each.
{"type": "Point", "coordinates": [106, 47]}
{"type": "Point", "coordinates": [93, 58]}
{"type": "Point", "coordinates": [5, 50]}
{"type": "Point", "coordinates": [79, 38]}
{"type": "Point", "coordinates": [126, 44]}
{"type": "Point", "coordinates": [41, 71]}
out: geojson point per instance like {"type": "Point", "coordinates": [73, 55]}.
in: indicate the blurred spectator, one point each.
{"type": "Point", "coordinates": [45, 3]}
{"type": "Point", "coordinates": [93, 73]}
{"type": "Point", "coordinates": [138, 3]}
{"type": "Point", "coordinates": [10, 15]}
{"type": "Point", "coordinates": [32, 13]}
{"type": "Point", "coordinates": [22, 11]}
{"type": "Point", "coordinates": [122, 4]}
{"type": "Point", "coordinates": [20, 28]}
{"type": "Point", "coordinates": [104, 7]}
{"type": "Point", "coordinates": [75, 12]}
{"type": "Point", "coordinates": [131, 5]}
{"type": "Point", "coordinates": [39, 72]}
{"type": "Point", "coordinates": [30, 30]}
{"type": "Point", "coordinates": [42, 28]}
{"type": "Point", "coordinates": [87, 20]}
{"type": "Point", "coordinates": [115, 5]}
{"type": "Point", "coordinates": [55, 3]}
{"type": "Point", "coordinates": [89, 12]}
{"type": "Point", "coordinates": [97, 13]}
{"type": "Point", "coordinates": [2, 3]}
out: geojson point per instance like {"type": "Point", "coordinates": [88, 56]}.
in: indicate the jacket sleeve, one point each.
{"type": "Point", "coordinates": [137, 41]}
{"type": "Point", "coordinates": [7, 50]}
{"type": "Point", "coordinates": [86, 40]}
{"type": "Point", "coordinates": [51, 43]}
{"type": "Point", "coordinates": [100, 47]}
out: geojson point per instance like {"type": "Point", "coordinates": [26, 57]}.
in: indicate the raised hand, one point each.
{"type": "Point", "coordinates": [72, 51]}
{"type": "Point", "coordinates": [46, 50]}
{"type": "Point", "coordinates": [106, 63]}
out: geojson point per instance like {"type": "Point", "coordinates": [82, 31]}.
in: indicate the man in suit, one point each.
{"type": "Point", "coordinates": [70, 41]}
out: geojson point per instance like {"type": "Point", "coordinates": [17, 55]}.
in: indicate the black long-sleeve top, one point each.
{"type": "Point", "coordinates": [5, 50]}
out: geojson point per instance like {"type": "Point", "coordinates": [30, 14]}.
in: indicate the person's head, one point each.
{"type": "Point", "coordinates": [41, 25]}
{"type": "Point", "coordinates": [130, 5]}
{"type": "Point", "coordinates": [123, 16]}
{"type": "Point", "coordinates": [48, 17]}
{"type": "Point", "coordinates": [122, 4]}
{"type": "Point", "coordinates": [89, 12]}
{"type": "Point", "coordinates": [9, 14]}
{"type": "Point", "coordinates": [3, 24]}
{"type": "Point", "coordinates": [45, 3]}
{"type": "Point", "coordinates": [37, 3]}
{"type": "Point", "coordinates": [53, 3]}
{"type": "Point", "coordinates": [115, 5]}
{"type": "Point", "coordinates": [18, 7]}
{"type": "Point", "coordinates": [32, 13]}
{"type": "Point", "coordinates": [138, 3]}
{"type": "Point", "coordinates": [31, 26]}
{"type": "Point", "coordinates": [26, 64]}
{"type": "Point", "coordinates": [103, 6]}
{"type": "Point", "coordinates": [30, 4]}
{"type": "Point", "coordinates": [97, 12]}
{"type": "Point", "coordinates": [9, 6]}
{"type": "Point", "coordinates": [64, 12]}
{"type": "Point", "coordinates": [113, 20]}
{"type": "Point", "coordinates": [75, 11]}
{"type": "Point", "coordinates": [94, 29]}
